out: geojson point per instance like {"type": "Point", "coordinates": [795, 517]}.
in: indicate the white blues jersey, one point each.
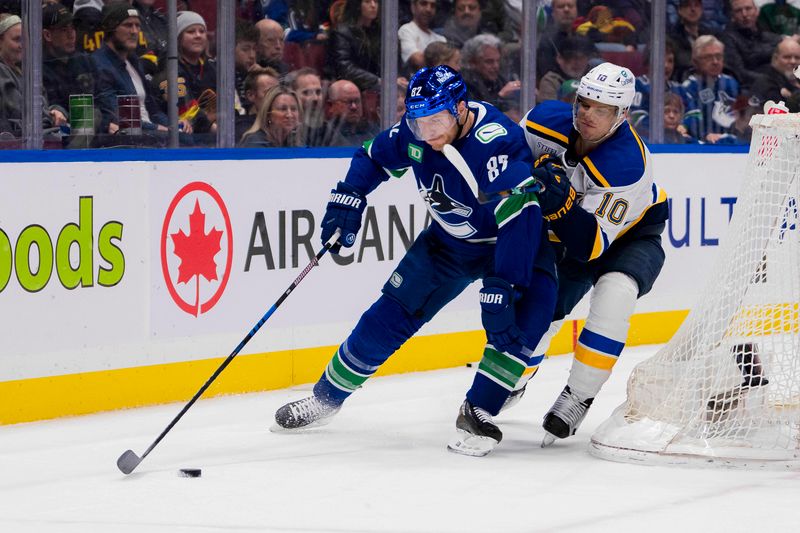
{"type": "Point", "coordinates": [614, 181]}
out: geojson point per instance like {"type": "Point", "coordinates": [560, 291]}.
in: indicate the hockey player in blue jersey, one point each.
{"type": "Point", "coordinates": [606, 222]}
{"type": "Point", "coordinates": [504, 243]}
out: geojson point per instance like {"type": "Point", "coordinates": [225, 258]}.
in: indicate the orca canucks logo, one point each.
{"type": "Point", "coordinates": [441, 205]}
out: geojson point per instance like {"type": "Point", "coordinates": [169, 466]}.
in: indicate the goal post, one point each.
{"type": "Point", "coordinates": [725, 390]}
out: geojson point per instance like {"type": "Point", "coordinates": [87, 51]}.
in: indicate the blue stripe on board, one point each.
{"type": "Point", "coordinates": [166, 154]}
{"type": "Point", "coordinates": [227, 154]}
{"type": "Point", "coordinates": [599, 343]}
{"type": "Point", "coordinates": [698, 148]}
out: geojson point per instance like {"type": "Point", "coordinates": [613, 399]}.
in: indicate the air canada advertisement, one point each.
{"type": "Point", "coordinates": [136, 263]}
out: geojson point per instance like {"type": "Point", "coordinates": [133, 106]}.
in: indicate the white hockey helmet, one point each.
{"type": "Point", "coordinates": [608, 84]}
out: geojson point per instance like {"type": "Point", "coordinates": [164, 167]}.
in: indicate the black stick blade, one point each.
{"type": "Point", "coordinates": [128, 461]}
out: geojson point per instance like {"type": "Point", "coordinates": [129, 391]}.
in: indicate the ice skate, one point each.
{"type": "Point", "coordinates": [477, 433]}
{"type": "Point", "coordinates": [563, 419]}
{"type": "Point", "coordinates": [303, 414]}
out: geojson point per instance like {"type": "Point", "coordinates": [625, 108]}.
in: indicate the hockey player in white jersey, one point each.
{"type": "Point", "coordinates": [606, 219]}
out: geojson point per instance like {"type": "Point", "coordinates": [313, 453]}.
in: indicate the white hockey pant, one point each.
{"type": "Point", "coordinates": [613, 300]}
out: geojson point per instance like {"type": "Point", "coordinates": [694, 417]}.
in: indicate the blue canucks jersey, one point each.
{"type": "Point", "coordinates": [614, 182]}
{"type": "Point", "coordinates": [640, 108]}
{"type": "Point", "coordinates": [713, 99]}
{"type": "Point", "coordinates": [497, 155]}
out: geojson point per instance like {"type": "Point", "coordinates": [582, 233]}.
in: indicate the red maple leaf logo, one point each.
{"type": "Point", "coordinates": [196, 251]}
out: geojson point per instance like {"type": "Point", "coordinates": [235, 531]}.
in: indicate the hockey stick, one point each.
{"type": "Point", "coordinates": [457, 160]}
{"type": "Point", "coordinates": [128, 461]}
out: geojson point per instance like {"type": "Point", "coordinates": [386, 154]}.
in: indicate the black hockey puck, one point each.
{"type": "Point", "coordinates": [190, 472]}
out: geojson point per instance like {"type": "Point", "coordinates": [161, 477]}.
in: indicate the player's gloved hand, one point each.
{"type": "Point", "coordinates": [498, 316]}
{"type": "Point", "coordinates": [558, 196]}
{"type": "Point", "coordinates": [344, 211]}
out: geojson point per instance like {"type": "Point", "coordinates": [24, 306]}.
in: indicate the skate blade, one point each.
{"type": "Point", "coordinates": [548, 439]}
{"type": "Point", "coordinates": [276, 428]}
{"type": "Point", "coordinates": [466, 443]}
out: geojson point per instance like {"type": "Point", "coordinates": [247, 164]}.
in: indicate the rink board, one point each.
{"type": "Point", "coordinates": [126, 283]}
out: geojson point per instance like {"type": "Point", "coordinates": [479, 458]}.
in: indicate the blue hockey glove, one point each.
{"type": "Point", "coordinates": [558, 196]}
{"type": "Point", "coordinates": [498, 316]}
{"type": "Point", "coordinates": [344, 211]}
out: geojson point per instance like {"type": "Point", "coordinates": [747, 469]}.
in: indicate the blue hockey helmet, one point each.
{"type": "Point", "coordinates": [435, 89]}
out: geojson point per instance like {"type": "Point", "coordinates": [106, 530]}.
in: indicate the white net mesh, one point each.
{"type": "Point", "coordinates": [726, 389]}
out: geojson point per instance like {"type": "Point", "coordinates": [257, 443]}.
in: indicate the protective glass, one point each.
{"type": "Point", "coordinates": [432, 126]}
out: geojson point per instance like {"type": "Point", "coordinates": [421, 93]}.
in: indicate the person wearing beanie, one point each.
{"type": "Point", "coordinates": [197, 79]}
{"type": "Point", "coordinates": [86, 17]}
{"type": "Point", "coordinates": [11, 99]}
{"type": "Point", "coordinates": [119, 70]}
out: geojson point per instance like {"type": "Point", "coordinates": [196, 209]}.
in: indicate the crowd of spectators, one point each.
{"type": "Point", "coordinates": [308, 72]}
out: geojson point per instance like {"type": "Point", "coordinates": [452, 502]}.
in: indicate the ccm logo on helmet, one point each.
{"type": "Point", "coordinates": [346, 199]}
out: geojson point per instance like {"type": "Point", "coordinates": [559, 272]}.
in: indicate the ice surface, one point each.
{"type": "Point", "coordinates": [380, 466]}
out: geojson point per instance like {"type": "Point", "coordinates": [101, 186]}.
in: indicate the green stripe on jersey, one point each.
{"type": "Point", "coordinates": [397, 173]}
{"type": "Point", "coordinates": [368, 146]}
{"type": "Point", "coordinates": [512, 206]}
{"type": "Point", "coordinates": [340, 375]}
{"type": "Point", "coordinates": [501, 367]}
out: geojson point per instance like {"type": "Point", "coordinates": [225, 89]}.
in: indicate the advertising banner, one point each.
{"type": "Point", "coordinates": [115, 265]}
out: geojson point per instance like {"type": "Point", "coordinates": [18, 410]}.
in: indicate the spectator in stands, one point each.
{"type": "Point", "coordinates": [307, 84]}
{"type": "Point", "coordinates": [640, 110]}
{"type": "Point", "coordinates": [416, 35]}
{"type": "Point", "coordinates": [244, 54]}
{"type": "Point", "coordinates": [270, 46]}
{"type": "Point", "coordinates": [636, 12]}
{"type": "Point", "coordinates": [197, 79]}
{"type": "Point", "coordinates": [779, 17]}
{"type": "Point", "coordinates": [712, 91]}
{"type": "Point", "coordinates": [690, 26]}
{"type": "Point", "coordinates": [355, 47]}
{"type": "Point", "coordinates": [601, 26]}
{"type": "Point", "coordinates": [778, 81]}
{"type": "Point", "coordinates": [257, 83]}
{"type": "Point", "coordinates": [572, 62]}
{"type": "Point", "coordinates": [307, 20]}
{"type": "Point", "coordinates": [747, 48]}
{"type": "Point", "coordinates": [11, 100]}
{"type": "Point", "coordinates": [442, 54]}
{"type": "Point", "coordinates": [480, 58]}
{"type": "Point", "coordinates": [714, 14]}
{"type": "Point", "coordinates": [559, 26]}
{"type": "Point", "coordinates": [88, 19]}
{"type": "Point", "coordinates": [464, 23]}
{"type": "Point", "coordinates": [153, 38]}
{"type": "Point", "coordinates": [277, 123]}
{"type": "Point", "coordinates": [345, 111]}
{"type": "Point", "coordinates": [64, 70]}
{"type": "Point", "coordinates": [119, 71]}
{"type": "Point", "coordinates": [674, 130]}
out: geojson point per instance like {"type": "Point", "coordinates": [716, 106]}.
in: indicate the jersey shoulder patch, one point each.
{"type": "Point", "coordinates": [488, 132]}
{"type": "Point", "coordinates": [619, 161]}
{"type": "Point", "coordinates": [551, 120]}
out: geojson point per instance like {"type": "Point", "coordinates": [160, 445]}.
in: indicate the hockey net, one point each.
{"type": "Point", "coordinates": [726, 389]}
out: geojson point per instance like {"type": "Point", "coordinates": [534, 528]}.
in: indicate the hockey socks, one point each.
{"type": "Point", "coordinates": [497, 376]}
{"type": "Point", "coordinates": [343, 375]}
